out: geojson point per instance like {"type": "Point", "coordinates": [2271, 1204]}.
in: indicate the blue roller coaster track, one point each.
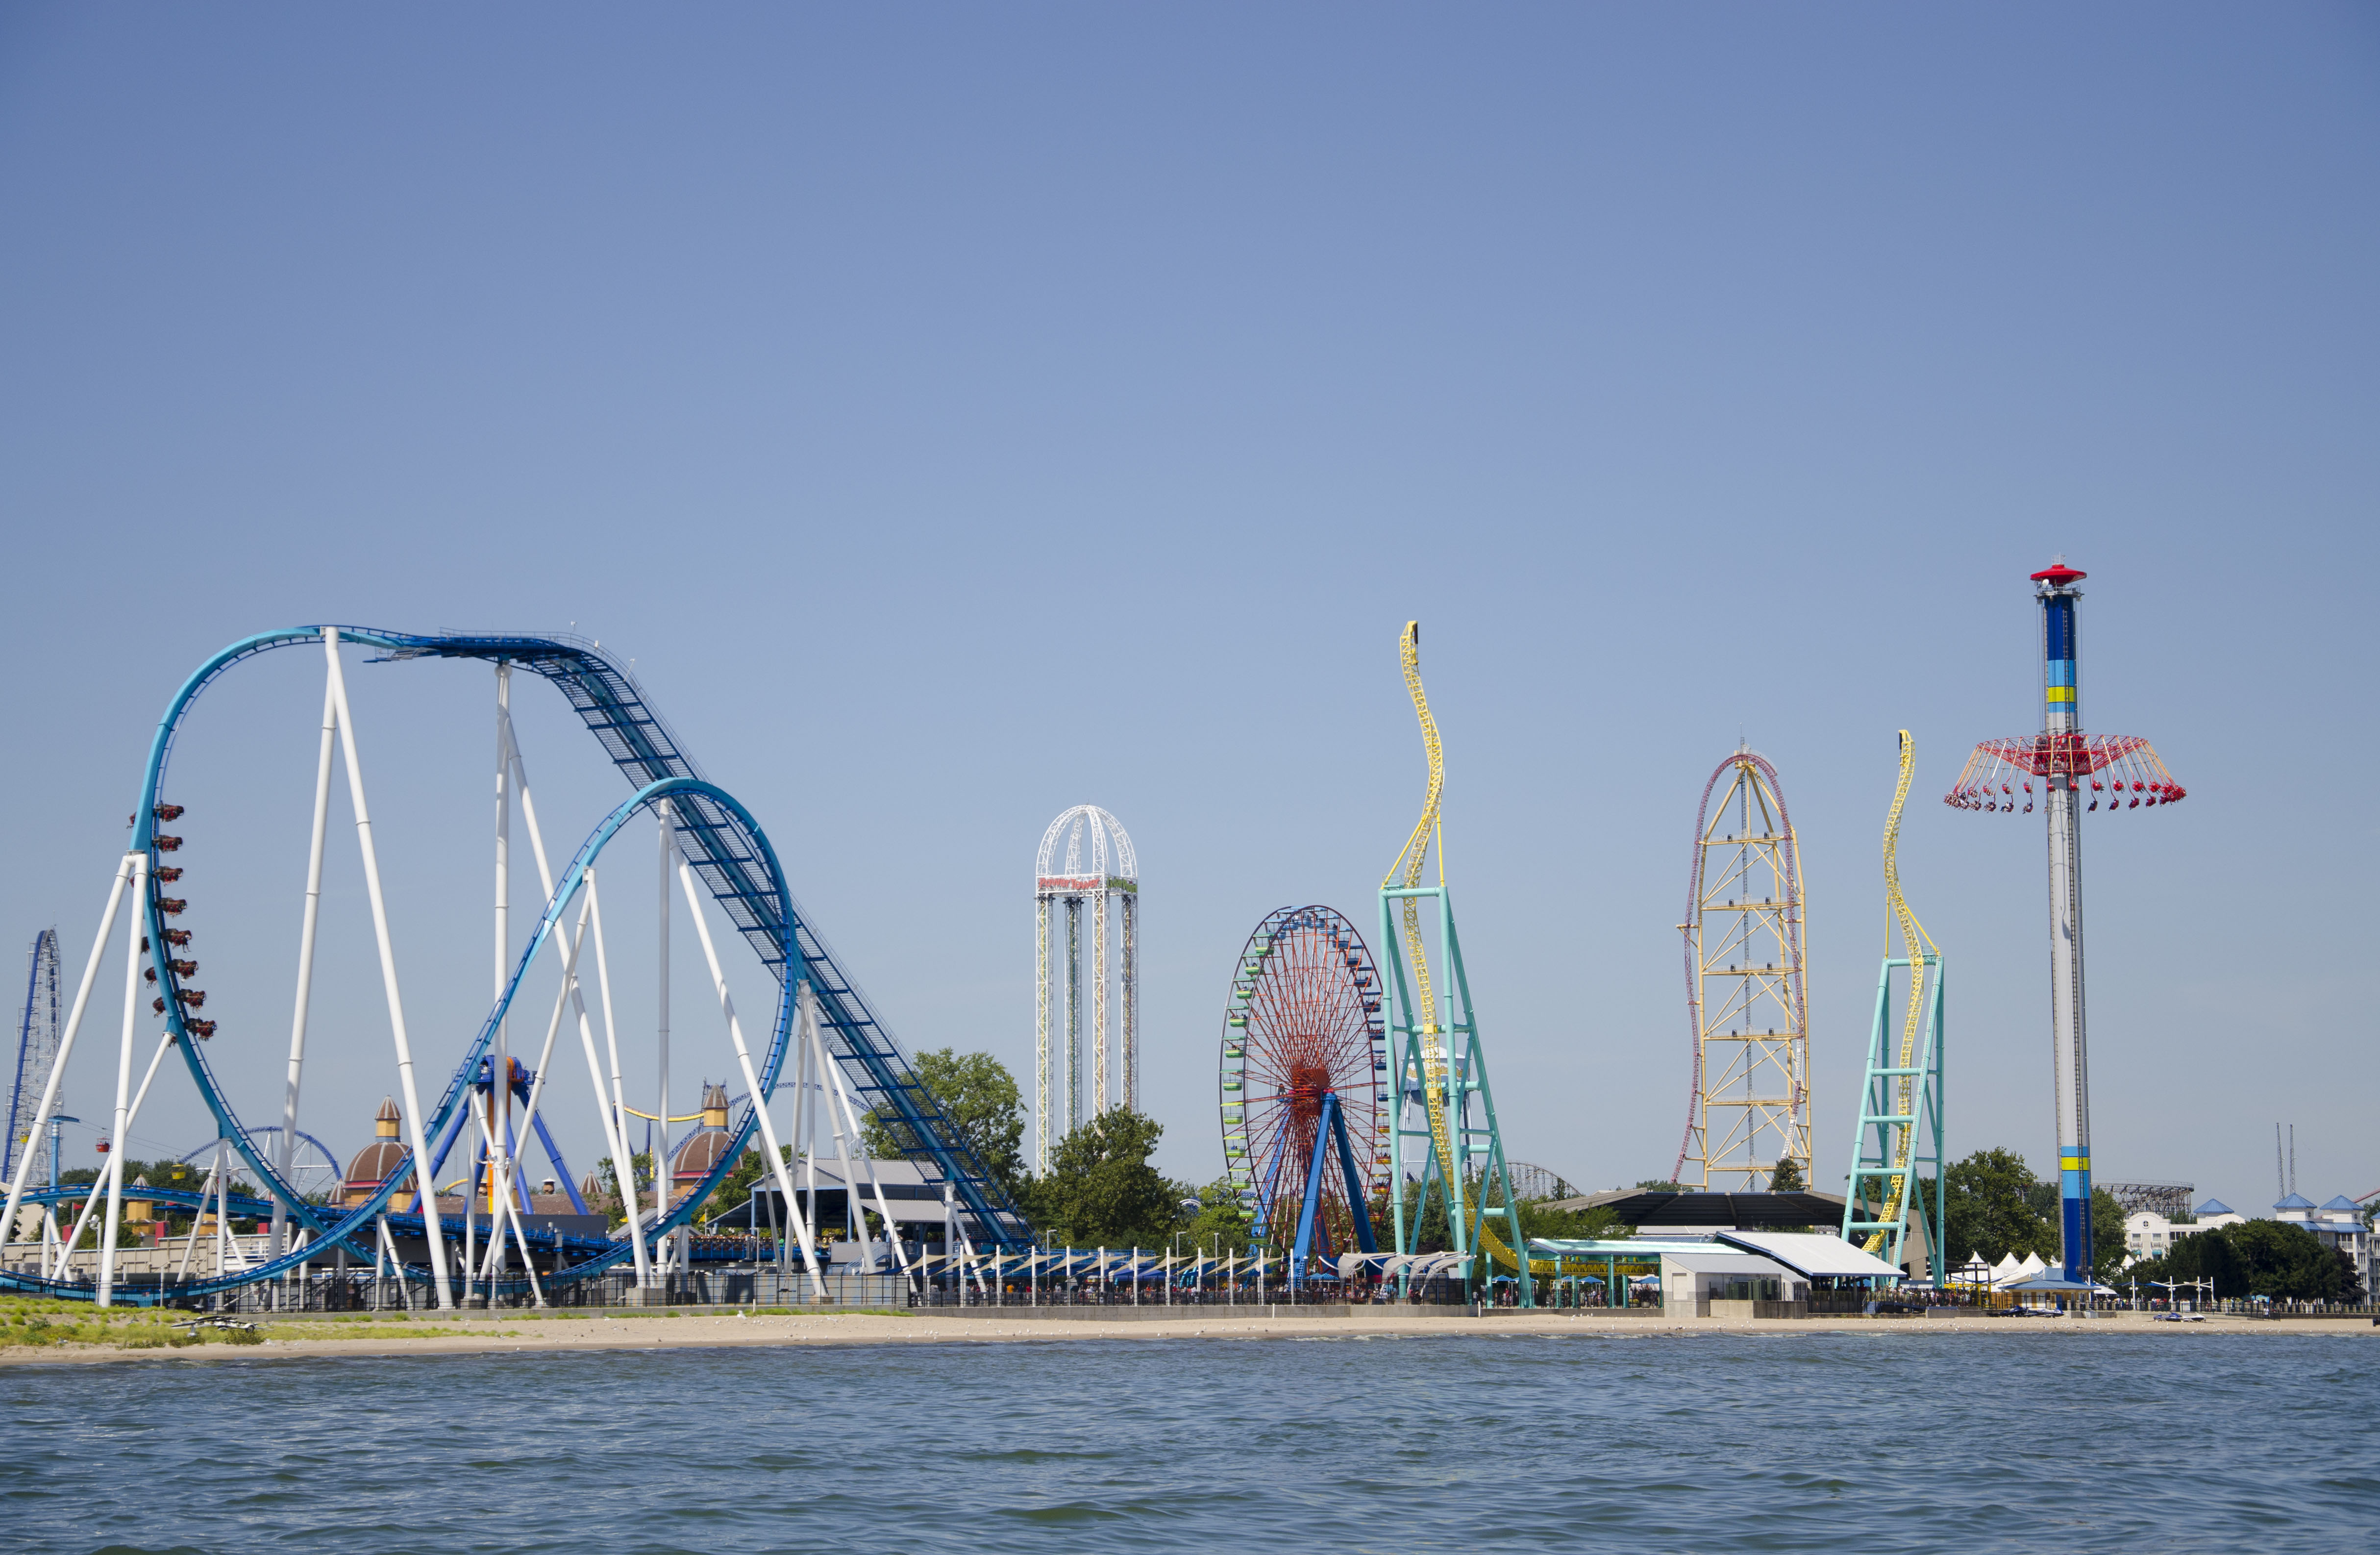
{"type": "Point", "coordinates": [37, 1047]}
{"type": "Point", "coordinates": [728, 851]}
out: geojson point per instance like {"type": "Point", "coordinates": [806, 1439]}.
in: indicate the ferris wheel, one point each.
{"type": "Point", "coordinates": [1304, 1057]}
{"type": "Point", "coordinates": [313, 1171]}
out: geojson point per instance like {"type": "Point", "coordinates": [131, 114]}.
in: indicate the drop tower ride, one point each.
{"type": "Point", "coordinates": [2124, 773]}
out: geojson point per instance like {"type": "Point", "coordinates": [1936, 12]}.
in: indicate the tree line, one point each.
{"type": "Point", "coordinates": [1994, 1206]}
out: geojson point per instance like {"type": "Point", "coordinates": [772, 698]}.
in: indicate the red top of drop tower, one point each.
{"type": "Point", "coordinates": [2057, 574]}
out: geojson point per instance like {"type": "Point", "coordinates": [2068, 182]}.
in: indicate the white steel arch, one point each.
{"type": "Point", "coordinates": [1097, 868]}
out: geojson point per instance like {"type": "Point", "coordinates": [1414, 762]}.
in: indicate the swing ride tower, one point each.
{"type": "Point", "coordinates": [2125, 773]}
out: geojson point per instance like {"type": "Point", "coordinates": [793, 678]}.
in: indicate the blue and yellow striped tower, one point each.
{"type": "Point", "coordinates": [2061, 729]}
{"type": "Point", "coordinates": [2123, 774]}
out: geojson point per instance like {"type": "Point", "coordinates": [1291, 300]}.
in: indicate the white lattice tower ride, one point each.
{"type": "Point", "coordinates": [1096, 868]}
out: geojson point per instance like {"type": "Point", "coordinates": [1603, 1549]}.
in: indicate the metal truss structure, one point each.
{"type": "Point", "coordinates": [1747, 990]}
{"type": "Point", "coordinates": [1305, 1059]}
{"type": "Point", "coordinates": [1105, 877]}
{"type": "Point", "coordinates": [1900, 1100]}
{"type": "Point", "coordinates": [1533, 1182]}
{"type": "Point", "coordinates": [2124, 773]}
{"type": "Point", "coordinates": [37, 1046]}
{"type": "Point", "coordinates": [2170, 1200]}
{"type": "Point", "coordinates": [1443, 1137]}
{"type": "Point", "coordinates": [710, 850]}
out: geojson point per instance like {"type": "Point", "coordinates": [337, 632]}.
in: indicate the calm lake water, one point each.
{"type": "Point", "coordinates": [1892, 1441]}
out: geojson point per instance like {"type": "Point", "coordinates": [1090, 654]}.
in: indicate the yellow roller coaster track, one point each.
{"type": "Point", "coordinates": [1916, 946]}
{"type": "Point", "coordinates": [1407, 872]}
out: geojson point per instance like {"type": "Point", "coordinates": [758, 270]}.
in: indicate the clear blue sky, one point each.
{"type": "Point", "coordinates": [960, 413]}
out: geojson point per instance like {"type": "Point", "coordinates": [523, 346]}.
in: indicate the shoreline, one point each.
{"type": "Point", "coordinates": [306, 1338]}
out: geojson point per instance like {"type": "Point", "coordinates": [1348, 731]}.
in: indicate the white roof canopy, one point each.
{"type": "Point", "coordinates": [1813, 1255]}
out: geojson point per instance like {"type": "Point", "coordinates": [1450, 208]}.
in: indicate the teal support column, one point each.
{"type": "Point", "coordinates": [1438, 1075]}
{"type": "Point", "coordinates": [1898, 1138]}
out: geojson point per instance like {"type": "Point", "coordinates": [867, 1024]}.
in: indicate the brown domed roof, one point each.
{"type": "Point", "coordinates": [376, 1162]}
{"type": "Point", "coordinates": [699, 1154]}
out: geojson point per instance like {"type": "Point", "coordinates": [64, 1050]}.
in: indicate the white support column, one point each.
{"type": "Point", "coordinates": [841, 1098]}
{"type": "Point", "coordinates": [190, 1247]}
{"type": "Point", "coordinates": [388, 976]}
{"type": "Point", "coordinates": [806, 1116]}
{"type": "Point", "coordinates": [624, 1166]}
{"type": "Point", "coordinates": [608, 1103]}
{"type": "Point", "coordinates": [66, 1044]}
{"type": "Point", "coordinates": [1130, 904]}
{"type": "Point", "coordinates": [223, 1209]}
{"type": "Point", "coordinates": [647, 1261]}
{"type": "Point", "coordinates": [665, 817]}
{"type": "Point", "coordinates": [854, 1221]}
{"type": "Point", "coordinates": [804, 1015]}
{"type": "Point", "coordinates": [503, 828]}
{"type": "Point", "coordinates": [500, 1094]}
{"type": "Point", "coordinates": [536, 1100]}
{"type": "Point", "coordinates": [804, 1009]}
{"type": "Point", "coordinates": [114, 1176]}
{"type": "Point", "coordinates": [1044, 1121]}
{"type": "Point", "coordinates": [133, 942]}
{"type": "Point", "coordinates": [471, 1153]}
{"type": "Point", "coordinates": [1102, 1084]}
{"type": "Point", "coordinates": [1074, 1012]}
{"type": "Point", "coordinates": [287, 1152]}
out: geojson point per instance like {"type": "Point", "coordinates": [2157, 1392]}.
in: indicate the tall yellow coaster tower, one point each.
{"type": "Point", "coordinates": [1747, 995]}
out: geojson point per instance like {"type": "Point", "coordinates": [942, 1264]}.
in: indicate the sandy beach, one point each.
{"type": "Point", "coordinates": [422, 1335]}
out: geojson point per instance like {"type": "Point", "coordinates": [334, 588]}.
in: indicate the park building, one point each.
{"type": "Point", "coordinates": [2338, 1224]}
{"type": "Point", "coordinates": [377, 1161]}
{"type": "Point", "coordinates": [388, 1155]}
{"type": "Point", "coordinates": [1724, 1282]}
{"type": "Point", "coordinates": [701, 1150]}
{"type": "Point", "coordinates": [2148, 1235]}
{"type": "Point", "coordinates": [919, 1207]}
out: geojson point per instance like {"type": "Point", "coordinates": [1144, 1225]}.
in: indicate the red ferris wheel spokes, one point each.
{"type": "Point", "coordinates": [1304, 1025]}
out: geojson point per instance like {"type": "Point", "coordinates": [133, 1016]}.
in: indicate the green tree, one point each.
{"type": "Point", "coordinates": [2107, 1249]}
{"type": "Point", "coordinates": [735, 1189]}
{"type": "Point", "coordinates": [1991, 1211]}
{"type": "Point", "coordinates": [1787, 1178]}
{"type": "Point", "coordinates": [1599, 1223]}
{"type": "Point", "coordinates": [1219, 1224]}
{"type": "Point", "coordinates": [607, 1184]}
{"type": "Point", "coordinates": [2256, 1259]}
{"type": "Point", "coordinates": [978, 1095]}
{"type": "Point", "coordinates": [1429, 1221]}
{"type": "Point", "coordinates": [1100, 1190]}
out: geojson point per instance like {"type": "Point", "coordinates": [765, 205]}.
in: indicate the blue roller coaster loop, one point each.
{"type": "Point", "coordinates": [724, 816]}
{"type": "Point", "coordinates": [721, 844]}
{"type": "Point", "coordinates": [248, 1207]}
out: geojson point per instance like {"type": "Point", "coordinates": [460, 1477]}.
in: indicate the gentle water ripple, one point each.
{"type": "Point", "coordinates": [1879, 1444]}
